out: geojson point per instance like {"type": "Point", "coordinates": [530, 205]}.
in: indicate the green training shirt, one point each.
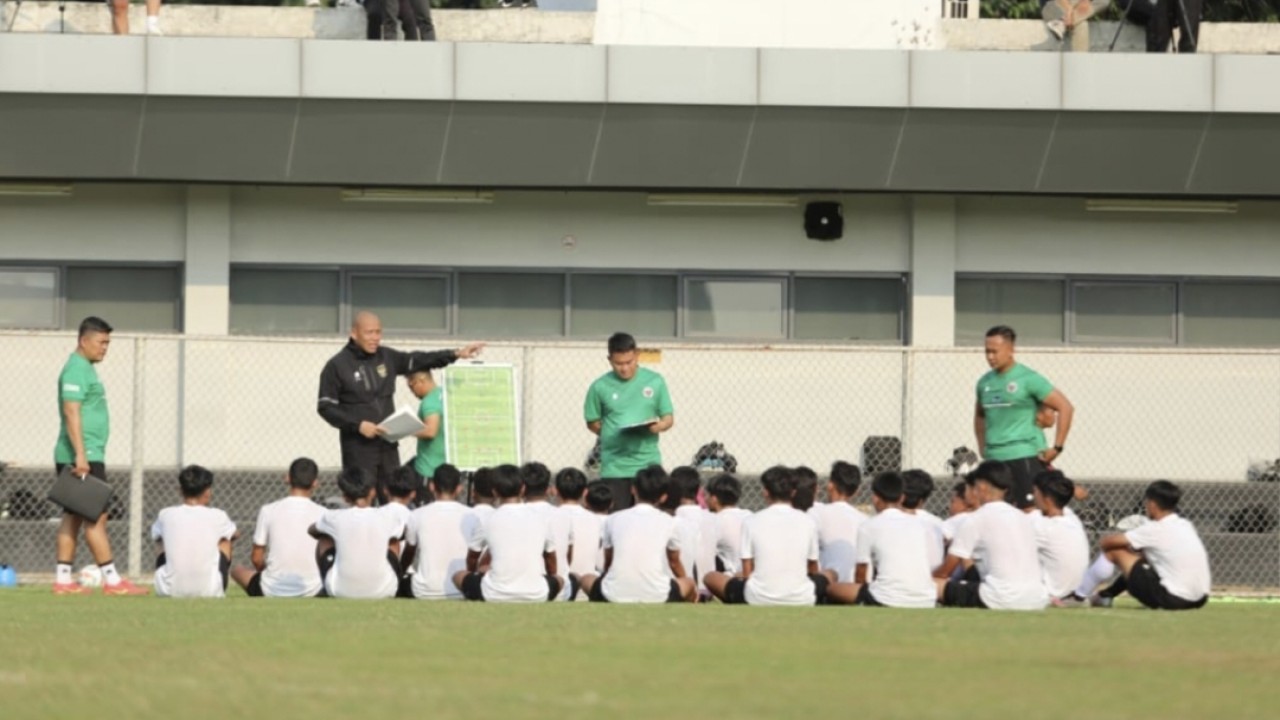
{"type": "Point", "coordinates": [617, 403]}
{"type": "Point", "coordinates": [79, 382]}
{"type": "Point", "coordinates": [1009, 403]}
{"type": "Point", "coordinates": [430, 452]}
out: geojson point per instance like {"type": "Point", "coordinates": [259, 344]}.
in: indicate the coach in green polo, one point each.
{"type": "Point", "coordinates": [628, 407]}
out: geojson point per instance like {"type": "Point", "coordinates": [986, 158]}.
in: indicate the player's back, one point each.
{"type": "Point", "coordinates": [838, 524]}
{"type": "Point", "coordinates": [282, 528]}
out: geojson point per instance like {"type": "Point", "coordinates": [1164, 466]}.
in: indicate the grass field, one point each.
{"type": "Point", "coordinates": [184, 660]}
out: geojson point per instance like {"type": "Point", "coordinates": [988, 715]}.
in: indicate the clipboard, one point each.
{"type": "Point", "coordinates": [87, 497]}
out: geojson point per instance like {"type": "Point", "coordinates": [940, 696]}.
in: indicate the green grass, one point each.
{"type": "Point", "coordinates": [184, 660]}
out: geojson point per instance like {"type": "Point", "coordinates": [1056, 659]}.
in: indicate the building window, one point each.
{"type": "Point", "coordinates": [859, 309]}
{"type": "Point", "coordinates": [643, 305]}
{"type": "Point", "coordinates": [1231, 314]}
{"type": "Point", "coordinates": [738, 307]}
{"type": "Point", "coordinates": [271, 301]}
{"type": "Point", "coordinates": [1131, 313]}
{"type": "Point", "coordinates": [405, 303]}
{"type": "Point", "coordinates": [1034, 308]}
{"type": "Point", "coordinates": [511, 304]}
{"type": "Point", "coordinates": [29, 298]}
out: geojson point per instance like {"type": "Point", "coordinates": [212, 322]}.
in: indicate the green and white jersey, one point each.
{"type": "Point", "coordinates": [78, 382]}
{"type": "Point", "coordinates": [1009, 402]}
{"type": "Point", "coordinates": [618, 403]}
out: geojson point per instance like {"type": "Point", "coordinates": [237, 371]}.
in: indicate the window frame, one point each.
{"type": "Point", "coordinates": [784, 314]}
{"type": "Point", "coordinates": [346, 293]}
{"type": "Point", "coordinates": [60, 269]}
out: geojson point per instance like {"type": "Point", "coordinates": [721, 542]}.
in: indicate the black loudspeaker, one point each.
{"type": "Point", "coordinates": [823, 221]}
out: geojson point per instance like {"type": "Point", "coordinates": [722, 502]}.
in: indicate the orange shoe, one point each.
{"type": "Point", "coordinates": [71, 589]}
{"type": "Point", "coordinates": [124, 587]}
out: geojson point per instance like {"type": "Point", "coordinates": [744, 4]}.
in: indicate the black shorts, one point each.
{"type": "Point", "coordinates": [1024, 472]}
{"type": "Point", "coordinates": [224, 568]}
{"type": "Point", "coordinates": [621, 489]}
{"type": "Point", "coordinates": [472, 590]}
{"type": "Point", "coordinates": [254, 588]}
{"type": "Point", "coordinates": [735, 590]}
{"type": "Point", "coordinates": [597, 592]}
{"type": "Point", "coordinates": [866, 599]}
{"type": "Point", "coordinates": [962, 594]}
{"type": "Point", "coordinates": [1145, 587]}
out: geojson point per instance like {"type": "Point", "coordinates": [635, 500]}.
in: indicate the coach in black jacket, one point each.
{"type": "Point", "coordinates": [357, 388]}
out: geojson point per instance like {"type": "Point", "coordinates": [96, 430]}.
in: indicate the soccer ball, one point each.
{"type": "Point", "coordinates": [90, 576]}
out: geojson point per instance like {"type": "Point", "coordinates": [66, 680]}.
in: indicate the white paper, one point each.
{"type": "Point", "coordinates": [401, 424]}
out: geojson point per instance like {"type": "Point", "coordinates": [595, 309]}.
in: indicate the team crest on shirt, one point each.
{"type": "Point", "coordinates": [615, 396]}
{"type": "Point", "coordinates": [648, 393]}
{"type": "Point", "coordinates": [357, 375]}
{"type": "Point", "coordinates": [382, 371]}
{"type": "Point", "coordinates": [1012, 388]}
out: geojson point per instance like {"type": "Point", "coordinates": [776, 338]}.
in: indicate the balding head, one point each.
{"type": "Point", "coordinates": [366, 331]}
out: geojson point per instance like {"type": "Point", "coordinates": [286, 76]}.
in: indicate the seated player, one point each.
{"type": "Point", "coordinates": [917, 487]}
{"type": "Point", "coordinates": [359, 546]}
{"type": "Point", "coordinates": [688, 529]}
{"type": "Point", "coordinates": [838, 521]}
{"type": "Point", "coordinates": [958, 509]}
{"type": "Point", "coordinates": [1163, 563]}
{"type": "Point", "coordinates": [779, 553]}
{"type": "Point", "coordinates": [896, 546]}
{"type": "Point", "coordinates": [284, 553]}
{"type": "Point", "coordinates": [537, 486]}
{"type": "Point", "coordinates": [436, 539]}
{"type": "Point", "coordinates": [482, 494]}
{"type": "Point", "coordinates": [520, 547]}
{"type": "Point", "coordinates": [194, 541]}
{"type": "Point", "coordinates": [688, 482]}
{"type": "Point", "coordinates": [599, 501]}
{"type": "Point", "coordinates": [584, 526]}
{"type": "Point", "coordinates": [642, 550]}
{"type": "Point", "coordinates": [723, 492]}
{"type": "Point", "coordinates": [1060, 538]}
{"type": "Point", "coordinates": [805, 497]}
{"type": "Point", "coordinates": [1000, 541]}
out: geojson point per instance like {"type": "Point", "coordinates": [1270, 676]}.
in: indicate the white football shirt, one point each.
{"type": "Point", "coordinates": [190, 534]}
{"type": "Point", "coordinates": [780, 541]}
{"type": "Point", "coordinates": [1064, 552]}
{"type": "Point", "coordinates": [1001, 541]}
{"type": "Point", "coordinates": [838, 525]}
{"type": "Point", "coordinates": [952, 524]}
{"type": "Point", "coordinates": [361, 536]}
{"type": "Point", "coordinates": [729, 538]}
{"type": "Point", "coordinates": [560, 533]}
{"type": "Point", "coordinates": [291, 551]}
{"type": "Point", "coordinates": [895, 546]}
{"type": "Point", "coordinates": [640, 537]}
{"type": "Point", "coordinates": [439, 531]}
{"type": "Point", "coordinates": [584, 537]}
{"type": "Point", "coordinates": [1173, 547]}
{"type": "Point", "coordinates": [689, 536]}
{"type": "Point", "coordinates": [936, 534]}
{"type": "Point", "coordinates": [516, 538]}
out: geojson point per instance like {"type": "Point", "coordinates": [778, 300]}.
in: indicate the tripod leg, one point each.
{"type": "Point", "coordinates": [14, 17]}
{"type": "Point", "coordinates": [1124, 16]}
{"type": "Point", "coordinates": [1184, 21]}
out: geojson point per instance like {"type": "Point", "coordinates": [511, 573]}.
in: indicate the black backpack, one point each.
{"type": "Point", "coordinates": [713, 456]}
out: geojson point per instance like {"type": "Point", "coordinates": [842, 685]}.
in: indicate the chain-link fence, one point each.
{"type": "Point", "coordinates": [245, 407]}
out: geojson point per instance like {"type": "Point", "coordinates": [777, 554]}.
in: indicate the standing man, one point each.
{"type": "Point", "coordinates": [82, 446]}
{"type": "Point", "coordinates": [628, 407]}
{"type": "Point", "coordinates": [430, 453]}
{"type": "Point", "coordinates": [1004, 416]}
{"type": "Point", "coordinates": [357, 388]}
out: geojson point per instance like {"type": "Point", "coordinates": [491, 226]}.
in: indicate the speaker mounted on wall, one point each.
{"type": "Point", "coordinates": [823, 221]}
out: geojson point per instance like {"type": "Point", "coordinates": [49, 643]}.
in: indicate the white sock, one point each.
{"type": "Point", "coordinates": [109, 574]}
{"type": "Point", "coordinates": [1099, 572]}
{"type": "Point", "coordinates": [153, 23]}
{"type": "Point", "coordinates": [63, 576]}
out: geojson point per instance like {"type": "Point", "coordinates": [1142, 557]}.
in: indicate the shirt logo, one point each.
{"type": "Point", "coordinates": [648, 392]}
{"type": "Point", "coordinates": [69, 387]}
{"type": "Point", "coordinates": [615, 396]}
{"type": "Point", "coordinates": [1012, 388]}
{"type": "Point", "coordinates": [382, 371]}
{"type": "Point", "coordinates": [357, 374]}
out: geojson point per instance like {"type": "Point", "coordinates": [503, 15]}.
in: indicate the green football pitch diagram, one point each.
{"type": "Point", "coordinates": [481, 416]}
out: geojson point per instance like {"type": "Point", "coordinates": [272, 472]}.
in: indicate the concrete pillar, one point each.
{"type": "Point", "coordinates": [207, 304]}
{"type": "Point", "coordinates": [933, 271]}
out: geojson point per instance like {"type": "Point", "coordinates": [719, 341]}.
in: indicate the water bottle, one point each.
{"type": "Point", "coordinates": [8, 576]}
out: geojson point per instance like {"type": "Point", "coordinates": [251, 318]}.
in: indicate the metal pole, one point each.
{"type": "Point", "coordinates": [136, 457]}
{"type": "Point", "coordinates": [908, 400]}
{"type": "Point", "coordinates": [526, 402]}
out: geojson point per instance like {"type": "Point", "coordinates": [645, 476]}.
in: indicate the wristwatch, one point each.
{"type": "Point", "coordinates": [1058, 448]}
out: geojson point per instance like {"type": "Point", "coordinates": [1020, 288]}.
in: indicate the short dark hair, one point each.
{"type": "Point", "coordinates": [686, 481]}
{"type": "Point", "coordinates": [1054, 485]}
{"type": "Point", "coordinates": [725, 488]}
{"type": "Point", "coordinates": [599, 497]}
{"type": "Point", "coordinates": [536, 478]}
{"type": "Point", "coordinates": [805, 491]}
{"type": "Point", "coordinates": [570, 483]}
{"type": "Point", "coordinates": [994, 472]}
{"type": "Point", "coordinates": [354, 483]}
{"type": "Point", "coordinates": [959, 489]}
{"type": "Point", "coordinates": [846, 476]}
{"type": "Point", "coordinates": [446, 478]}
{"type": "Point", "coordinates": [194, 480]}
{"type": "Point", "coordinates": [303, 473]}
{"type": "Point", "coordinates": [403, 481]}
{"type": "Point", "coordinates": [95, 324]}
{"type": "Point", "coordinates": [621, 342]}
{"type": "Point", "coordinates": [507, 481]}
{"type": "Point", "coordinates": [888, 486]}
{"type": "Point", "coordinates": [1164, 494]}
{"type": "Point", "coordinates": [651, 484]}
{"type": "Point", "coordinates": [1003, 331]}
{"type": "Point", "coordinates": [780, 482]}
{"type": "Point", "coordinates": [482, 482]}
{"type": "Point", "coordinates": [917, 486]}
